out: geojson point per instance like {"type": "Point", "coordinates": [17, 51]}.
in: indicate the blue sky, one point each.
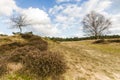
{"type": "Point", "coordinates": [60, 18]}
{"type": "Point", "coordinates": [36, 3]}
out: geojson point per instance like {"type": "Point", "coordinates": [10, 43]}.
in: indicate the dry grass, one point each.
{"type": "Point", "coordinates": [108, 48]}
{"type": "Point", "coordinates": [30, 56]}
{"type": "Point", "coordinates": [86, 61]}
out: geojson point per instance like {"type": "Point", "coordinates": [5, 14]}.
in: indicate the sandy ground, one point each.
{"type": "Point", "coordinates": [90, 64]}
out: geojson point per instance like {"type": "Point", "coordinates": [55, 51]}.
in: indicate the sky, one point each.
{"type": "Point", "coordinates": [58, 18]}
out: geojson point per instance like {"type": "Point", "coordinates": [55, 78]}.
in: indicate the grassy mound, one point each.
{"type": "Point", "coordinates": [36, 41]}
{"type": "Point", "coordinates": [33, 55]}
{"type": "Point", "coordinates": [30, 40]}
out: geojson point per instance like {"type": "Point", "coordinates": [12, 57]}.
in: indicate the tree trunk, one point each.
{"type": "Point", "coordinates": [20, 29]}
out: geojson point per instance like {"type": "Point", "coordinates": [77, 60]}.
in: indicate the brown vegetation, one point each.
{"type": "Point", "coordinates": [46, 63]}
{"type": "Point", "coordinates": [3, 67]}
{"type": "Point", "coordinates": [33, 56]}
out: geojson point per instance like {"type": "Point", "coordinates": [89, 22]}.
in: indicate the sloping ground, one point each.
{"type": "Point", "coordinates": [89, 61]}
{"type": "Point", "coordinates": [86, 61]}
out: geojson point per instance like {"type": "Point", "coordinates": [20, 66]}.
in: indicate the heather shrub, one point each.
{"type": "Point", "coordinates": [3, 67]}
{"type": "Point", "coordinates": [46, 63]}
{"type": "Point", "coordinates": [16, 33]}
{"type": "Point", "coordinates": [36, 41]}
{"type": "Point", "coordinates": [40, 44]}
{"type": "Point", "coordinates": [10, 46]}
{"type": "Point", "coordinates": [5, 40]}
{"type": "Point", "coordinates": [3, 35]}
{"type": "Point", "coordinates": [19, 54]}
{"type": "Point", "coordinates": [115, 40]}
{"type": "Point", "coordinates": [27, 35]}
{"type": "Point", "coordinates": [99, 41]}
{"type": "Point", "coordinates": [41, 63]}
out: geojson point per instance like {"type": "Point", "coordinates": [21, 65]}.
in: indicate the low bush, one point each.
{"type": "Point", "coordinates": [40, 44]}
{"type": "Point", "coordinates": [41, 63]}
{"type": "Point", "coordinates": [19, 54]}
{"type": "Point", "coordinates": [102, 41]}
{"type": "Point", "coordinates": [5, 40]}
{"type": "Point", "coordinates": [3, 67]}
{"type": "Point", "coordinates": [27, 35]}
{"type": "Point", "coordinates": [116, 41]}
{"type": "Point", "coordinates": [10, 46]}
{"type": "Point", "coordinates": [3, 35]}
{"type": "Point", "coordinates": [46, 63]}
{"type": "Point", "coordinates": [36, 41]}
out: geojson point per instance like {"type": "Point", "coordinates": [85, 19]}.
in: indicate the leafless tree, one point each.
{"type": "Point", "coordinates": [19, 21]}
{"type": "Point", "coordinates": [95, 24]}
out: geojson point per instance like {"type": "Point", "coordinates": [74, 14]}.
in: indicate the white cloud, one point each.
{"type": "Point", "coordinates": [36, 15]}
{"type": "Point", "coordinates": [41, 21]}
{"type": "Point", "coordinates": [96, 5]}
{"type": "Point", "coordinates": [7, 7]}
{"type": "Point", "coordinates": [61, 18]}
{"type": "Point", "coordinates": [72, 10]}
{"type": "Point", "coordinates": [46, 30]}
{"type": "Point", "coordinates": [70, 15]}
{"type": "Point", "coordinates": [65, 15]}
{"type": "Point", "coordinates": [115, 29]}
{"type": "Point", "coordinates": [1, 32]}
{"type": "Point", "coordinates": [60, 1]}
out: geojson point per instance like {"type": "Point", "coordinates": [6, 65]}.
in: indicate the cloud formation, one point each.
{"type": "Point", "coordinates": [60, 1]}
{"type": "Point", "coordinates": [40, 20]}
{"type": "Point", "coordinates": [71, 15]}
{"type": "Point", "coordinates": [7, 7]}
{"type": "Point", "coordinates": [65, 16]}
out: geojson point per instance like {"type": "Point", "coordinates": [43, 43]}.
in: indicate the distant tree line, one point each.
{"type": "Point", "coordinates": [83, 38]}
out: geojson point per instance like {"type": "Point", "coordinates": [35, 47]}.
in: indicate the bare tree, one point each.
{"type": "Point", "coordinates": [95, 24]}
{"type": "Point", "coordinates": [19, 21]}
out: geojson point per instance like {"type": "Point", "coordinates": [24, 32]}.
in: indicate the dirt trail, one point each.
{"type": "Point", "coordinates": [90, 64]}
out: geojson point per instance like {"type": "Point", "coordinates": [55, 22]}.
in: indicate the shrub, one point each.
{"type": "Point", "coordinates": [19, 54]}
{"type": "Point", "coordinates": [3, 67]}
{"type": "Point", "coordinates": [3, 35]}
{"type": "Point", "coordinates": [5, 40]}
{"type": "Point", "coordinates": [116, 41]}
{"type": "Point", "coordinates": [36, 41]}
{"type": "Point", "coordinates": [100, 41]}
{"type": "Point", "coordinates": [43, 63]}
{"type": "Point", "coordinates": [46, 63]}
{"type": "Point", "coordinates": [27, 35]}
{"type": "Point", "coordinates": [40, 44]}
{"type": "Point", "coordinates": [16, 33]}
{"type": "Point", "coordinates": [10, 46]}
